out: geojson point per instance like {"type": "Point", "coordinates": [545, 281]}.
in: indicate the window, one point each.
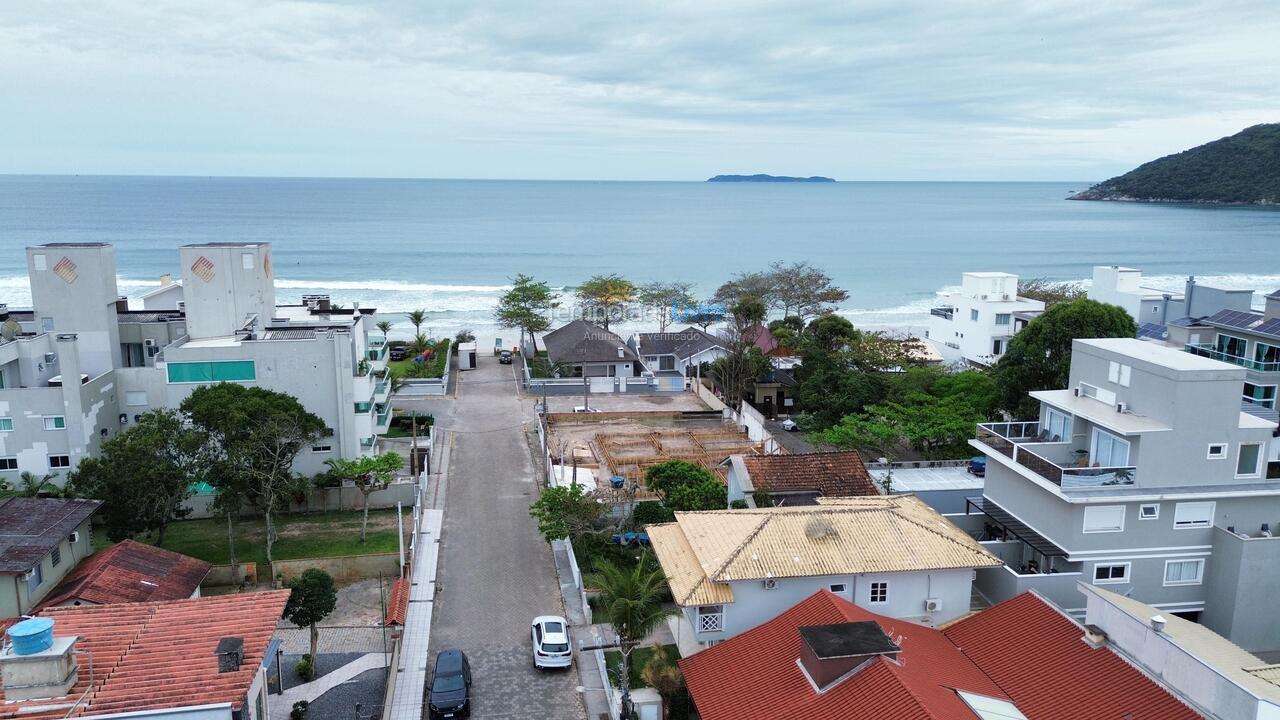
{"type": "Point", "coordinates": [879, 592]}
{"type": "Point", "coordinates": [1264, 395]}
{"type": "Point", "coordinates": [837, 588]}
{"type": "Point", "coordinates": [1150, 511]}
{"type": "Point", "coordinates": [1108, 450]}
{"type": "Point", "coordinates": [710, 618]}
{"type": "Point", "coordinates": [1155, 309]}
{"type": "Point", "coordinates": [1247, 462]}
{"type": "Point", "coordinates": [37, 577]}
{"type": "Point", "coordinates": [1217, 451]}
{"type": "Point", "coordinates": [46, 324]}
{"type": "Point", "coordinates": [1111, 574]}
{"type": "Point", "coordinates": [1059, 426]}
{"type": "Point", "coordinates": [8, 463]}
{"type": "Point", "coordinates": [135, 398]}
{"type": "Point", "coordinates": [989, 708]}
{"type": "Point", "coordinates": [6, 424]}
{"type": "Point", "coordinates": [973, 315]}
{"type": "Point", "coordinates": [997, 346]}
{"type": "Point", "coordinates": [55, 557]}
{"type": "Point", "coordinates": [1104, 518]}
{"type": "Point", "coordinates": [246, 260]}
{"type": "Point", "coordinates": [59, 461]}
{"type": "Point", "coordinates": [1193, 514]}
{"type": "Point", "coordinates": [1267, 357]}
{"type": "Point", "coordinates": [1232, 346]}
{"type": "Point", "coordinates": [40, 262]}
{"type": "Point", "coordinates": [1119, 373]}
{"type": "Point", "coordinates": [54, 422]}
{"type": "Point", "coordinates": [1183, 572]}
{"type": "Point", "coordinates": [1003, 318]}
{"type": "Point", "coordinates": [321, 448]}
{"type": "Point", "coordinates": [212, 372]}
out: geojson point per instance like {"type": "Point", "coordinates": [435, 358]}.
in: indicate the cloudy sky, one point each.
{"type": "Point", "coordinates": [644, 89]}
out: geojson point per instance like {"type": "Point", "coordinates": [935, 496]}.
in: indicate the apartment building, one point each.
{"type": "Point", "coordinates": [80, 366]}
{"type": "Point", "coordinates": [1247, 338]}
{"type": "Point", "coordinates": [1142, 475]}
{"type": "Point", "coordinates": [1158, 311]}
{"type": "Point", "coordinates": [975, 324]}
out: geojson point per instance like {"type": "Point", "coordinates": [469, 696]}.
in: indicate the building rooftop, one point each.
{"type": "Point", "coordinates": [158, 655]}
{"type": "Point", "coordinates": [1100, 413]}
{"type": "Point", "coordinates": [682, 343]}
{"type": "Point", "coordinates": [827, 473]}
{"type": "Point", "coordinates": [30, 528]}
{"type": "Point", "coordinates": [701, 552]}
{"type": "Point", "coordinates": [130, 571]}
{"type": "Point", "coordinates": [1163, 356]}
{"type": "Point", "coordinates": [74, 245]}
{"type": "Point", "coordinates": [224, 244]}
{"type": "Point", "coordinates": [934, 477]}
{"type": "Point", "coordinates": [398, 603]}
{"type": "Point", "coordinates": [583, 342]}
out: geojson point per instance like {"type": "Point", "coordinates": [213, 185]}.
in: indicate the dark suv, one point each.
{"type": "Point", "coordinates": [397, 353]}
{"type": "Point", "coordinates": [450, 685]}
{"type": "Point", "coordinates": [504, 357]}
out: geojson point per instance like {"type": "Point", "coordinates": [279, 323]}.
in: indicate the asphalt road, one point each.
{"type": "Point", "coordinates": [496, 573]}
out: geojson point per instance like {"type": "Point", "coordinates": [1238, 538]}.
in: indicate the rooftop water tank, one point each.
{"type": "Point", "coordinates": [31, 636]}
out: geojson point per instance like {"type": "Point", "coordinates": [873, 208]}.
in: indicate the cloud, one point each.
{"type": "Point", "coordinates": [651, 89]}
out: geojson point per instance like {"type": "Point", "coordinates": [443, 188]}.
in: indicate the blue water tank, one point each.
{"type": "Point", "coordinates": [31, 636]}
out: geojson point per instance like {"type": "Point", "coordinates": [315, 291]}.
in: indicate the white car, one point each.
{"type": "Point", "coordinates": [789, 425]}
{"type": "Point", "coordinates": [551, 646]}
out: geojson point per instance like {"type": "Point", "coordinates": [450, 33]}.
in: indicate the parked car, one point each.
{"type": "Point", "coordinates": [504, 357]}
{"type": "Point", "coordinates": [551, 647]}
{"type": "Point", "coordinates": [581, 408]}
{"type": "Point", "coordinates": [790, 425]}
{"type": "Point", "coordinates": [397, 353]}
{"type": "Point", "coordinates": [450, 685]}
{"type": "Point", "coordinates": [978, 466]}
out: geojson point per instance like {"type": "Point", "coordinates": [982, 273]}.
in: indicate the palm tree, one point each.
{"type": "Point", "coordinates": [419, 344]}
{"type": "Point", "coordinates": [416, 318]}
{"type": "Point", "coordinates": [32, 485]}
{"type": "Point", "coordinates": [630, 599]}
{"type": "Point", "coordinates": [384, 326]}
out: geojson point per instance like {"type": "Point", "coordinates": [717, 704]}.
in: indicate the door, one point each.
{"type": "Point", "coordinates": [1107, 450]}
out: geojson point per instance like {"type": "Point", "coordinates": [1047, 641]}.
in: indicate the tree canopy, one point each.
{"type": "Point", "coordinates": [803, 290]}
{"type": "Point", "coordinates": [313, 595]}
{"type": "Point", "coordinates": [566, 512]}
{"type": "Point", "coordinates": [370, 473]}
{"type": "Point", "coordinates": [605, 297]}
{"type": "Point", "coordinates": [666, 300]}
{"type": "Point", "coordinates": [685, 486]}
{"type": "Point", "coordinates": [526, 306]}
{"type": "Point", "coordinates": [743, 363]}
{"type": "Point", "coordinates": [1039, 356]}
{"type": "Point", "coordinates": [842, 369]}
{"type": "Point", "coordinates": [1048, 291]}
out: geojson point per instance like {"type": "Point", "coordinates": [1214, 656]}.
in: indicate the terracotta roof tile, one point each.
{"type": "Point", "coordinates": [828, 473]}
{"type": "Point", "coordinates": [130, 572]}
{"type": "Point", "coordinates": [157, 655]}
{"type": "Point", "coordinates": [1036, 655]}
{"type": "Point", "coordinates": [398, 604]}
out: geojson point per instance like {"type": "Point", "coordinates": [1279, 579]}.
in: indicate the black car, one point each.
{"type": "Point", "coordinates": [450, 685]}
{"type": "Point", "coordinates": [504, 357]}
{"type": "Point", "coordinates": [397, 352]}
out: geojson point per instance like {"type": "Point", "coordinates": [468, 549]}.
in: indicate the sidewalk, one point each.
{"type": "Point", "coordinates": [281, 704]}
{"type": "Point", "coordinates": [595, 697]}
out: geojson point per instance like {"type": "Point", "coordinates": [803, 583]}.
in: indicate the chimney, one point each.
{"type": "Point", "coordinates": [1157, 623]}
{"type": "Point", "coordinates": [166, 280]}
{"type": "Point", "coordinates": [230, 654]}
{"type": "Point", "coordinates": [35, 664]}
{"type": "Point", "coordinates": [1095, 637]}
{"type": "Point", "coordinates": [831, 653]}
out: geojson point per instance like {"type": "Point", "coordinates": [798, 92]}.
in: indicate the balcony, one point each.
{"type": "Point", "coordinates": [1058, 462]}
{"type": "Point", "coordinates": [375, 354]}
{"type": "Point", "coordinates": [382, 419]}
{"type": "Point", "coordinates": [381, 386]}
{"type": "Point", "coordinates": [1214, 353]}
{"type": "Point", "coordinates": [946, 313]}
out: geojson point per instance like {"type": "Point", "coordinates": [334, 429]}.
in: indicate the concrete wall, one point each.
{"type": "Point", "coordinates": [972, 339]}
{"type": "Point", "coordinates": [73, 289]}
{"type": "Point", "coordinates": [223, 284]}
{"type": "Point", "coordinates": [1242, 584]}
{"type": "Point", "coordinates": [332, 499]}
{"type": "Point", "coordinates": [343, 569]}
{"type": "Point", "coordinates": [16, 598]}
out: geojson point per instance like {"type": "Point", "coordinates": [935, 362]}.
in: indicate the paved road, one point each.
{"type": "Point", "coordinates": [496, 573]}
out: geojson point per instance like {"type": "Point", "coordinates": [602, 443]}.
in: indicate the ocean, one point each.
{"type": "Point", "coordinates": [450, 246]}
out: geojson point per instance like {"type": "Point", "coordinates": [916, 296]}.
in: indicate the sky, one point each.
{"type": "Point", "coordinates": [638, 90]}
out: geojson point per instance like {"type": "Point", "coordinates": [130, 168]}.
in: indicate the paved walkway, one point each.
{"type": "Point", "coordinates": [281, 704]}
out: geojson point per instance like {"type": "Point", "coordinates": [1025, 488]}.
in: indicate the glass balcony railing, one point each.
{"type": "Point", "coordinates": [1210, 351]}
{"type": "Point", "coordinates": [377, 353]}
{"type": "Point", "coordinates": [384, 417]}
{"type": "Point", "coordinates": [1012, 440]}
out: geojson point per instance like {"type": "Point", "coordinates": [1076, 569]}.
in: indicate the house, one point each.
{"type": "Point", "coordinates": [41, 540]}
{"type": "Point", "coordinates": [194, 658]}
{"type": "Point", "coordinates": [682, 351]}
{"type": "Point", "coordinates": [130, 571]}
{"type": "Point", "coordinates": [775, 391]}
{"type": "Point", "coordinates": [83, 366]}
{"type": "Point", "coordinates": [827, 658]}
{"type": "Point", "coordinates": [1219, 678]}
{"type": "Point", "coordinates": [730, 570]}
{"type": "Point", "coordinates": [798, 479]}
{"type": "Point", "coordinates": [591, 351]}
{"type": "Point", "coordinates": [1143, 474]}
{"type": "Point", "coordinates": [976, 322]}
{"type": "Point", "coordinates": [1123, 286]}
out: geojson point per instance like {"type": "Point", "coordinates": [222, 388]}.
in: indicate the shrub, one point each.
{"type": "Point", "coordinates": [738, 505]}
{"type": "Point", "coordinates": [305, 669]}
{"type": "Point", "coordinates": [649, 512]}
{"type": "Point", "coordinates": [299, 710]}
{"type": "Point", "coordinates": [762, 498]}
{"type": "Point", "coordinates": [463, 336]}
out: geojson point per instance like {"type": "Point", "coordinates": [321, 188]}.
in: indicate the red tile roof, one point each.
{"type": "Point", "coordinates": [130, 572]}
{"type": "Point", "coordinates": [1036, 655]}
{"type": "Point", "coordinates": [398, 605]}
{"type": "Point", "coordinates": [150, 656]}
{"type": "Point", "coordinates": [835, 474]}
{"type": "Point", "coordinates": [754, 675]}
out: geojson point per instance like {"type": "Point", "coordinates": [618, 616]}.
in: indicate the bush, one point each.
{"type": "Point", "coordinates": [405, 422]}
{"type": "Point", "coordinates": [650, 512]}
{"type": "Point", "coordinates": [305, 669]}
{"type": "Point", "coordinates": [762, 497]}
{"type": "Point", "coordinates": [738, 505]}
{"type": "Point", "coordinates": [463, 336]}
{"type": "Point", "coordinates": [299, 710]}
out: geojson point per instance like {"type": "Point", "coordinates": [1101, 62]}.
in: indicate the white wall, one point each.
{"type": "Point", "coordinates": [991, 294]}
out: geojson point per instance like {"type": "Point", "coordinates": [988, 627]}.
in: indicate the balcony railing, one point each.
{"type": "Point", "coordinates": [1011, 440]}
{"type": "Point", "coordinates": [1210, 351]}
{"type": "Point", "coordinates": [383, 417]}
{"type": "Point", "coordinates": [380, 388]}
{"type": "Point", "coordinates": [945, 313]}
{"type": "Point", "coordinates": [377, 353]}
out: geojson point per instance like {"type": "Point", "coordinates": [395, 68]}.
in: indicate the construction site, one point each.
{"type": "Point", "coordinates": [622, 445]}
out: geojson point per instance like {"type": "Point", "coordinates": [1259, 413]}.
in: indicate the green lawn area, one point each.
{"type": "Point", "coordinates": [401, 368]}
{"type": "Point", "coordinates": [539, 366]}
{"type": "Point", "coordinates": [639, 658]}
{"type": "Point", "coordinates": [298, 536]}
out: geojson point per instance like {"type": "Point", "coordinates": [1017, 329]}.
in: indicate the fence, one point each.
{"type": "Point", "coordinates": [221, 575]}
{"type": "Point", "coordinates": [330, 499]}
{"type": "Point", "coordinates": [427, 387]}
{"type": "Point", "coordinates": [343, 569]}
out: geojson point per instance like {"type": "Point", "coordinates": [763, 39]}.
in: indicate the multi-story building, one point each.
{"type": "Point", "coordinates": [1156, 310]}
{"type": "Point", "coordinates": [976, 323]}
{"type": "Point", "coordinates": [80, 366]}
{"type": "Point", "coordinates": [1247, 338]}
{"type": "Point", "coordinates": [1143, 475]}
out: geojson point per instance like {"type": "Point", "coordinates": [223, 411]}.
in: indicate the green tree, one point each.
{"type": "Point", "coordinates": [143, 475]}
{"type": "Point", "coordinates": [384, 326]}
{"type": "Point", "coordinates": [31, 485]}
{"type": "Point", "coordinates": [804, 290]}
{"type": "Point", "coordinates": [663, 674]}
{"type": "Point", "coordinates": [312, 597]}
{"type": "Point", "coordinates": [606, 297]}
{"type": "Point", "coordinates": [842, 369]}
{"type": "Point", "coordinates": [370, 473]}
{"type": "Point", "coordinates": [666, 299]}
{"type": "Point", "coordinates": [254, 435]}
{"type": "Point", "coordinates": [685, 486]}
{"type": "Point", "coordinates": [704, 315]}
{"type": "Point", "coordinates": [631, 600]}
{"type": "Point", "coordinates": [416, 319]}
{"type": "Point", "coordinates": [743, 363]}
{"type": "Point", "coordinates": [566, 512]}
{"type": "Point", "coordinates": [759, 285]}
{"type": "Point", "coordinates": [1039, 356]}
{"type": "Point", "coordinates": [1050, 292]}
{"type": "Point", "coordinates": [527, 306]}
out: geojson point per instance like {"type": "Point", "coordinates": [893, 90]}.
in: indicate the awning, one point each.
{"type": "Point", "coordinates": [1014, 526]}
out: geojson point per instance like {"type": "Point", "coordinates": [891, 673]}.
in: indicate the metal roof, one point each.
{"type": "Point", "coordinates": [1016, 527]}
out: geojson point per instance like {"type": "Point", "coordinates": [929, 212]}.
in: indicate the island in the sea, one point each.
{"type": "Point", "coordinates": [770, 178]}
{"type": "Point", "coordinates": [1243, 169]}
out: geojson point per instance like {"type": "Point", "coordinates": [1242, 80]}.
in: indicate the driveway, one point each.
{"type": "Point", "coordinates": [496, 572]}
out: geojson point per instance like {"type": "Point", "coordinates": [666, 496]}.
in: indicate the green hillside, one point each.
{"type": "Point", "coordinates": [1243, 168]}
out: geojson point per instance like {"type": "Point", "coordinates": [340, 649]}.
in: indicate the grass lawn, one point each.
{"type": "Point", "coordinates": [298, 536]}
{"type": "Point", "coordinates": [401, 368]}
{"type": "Point", "coordinates": [639, 658]}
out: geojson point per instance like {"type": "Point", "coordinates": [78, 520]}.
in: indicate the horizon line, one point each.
{"type": "Point", "coordinates": [512, 179]}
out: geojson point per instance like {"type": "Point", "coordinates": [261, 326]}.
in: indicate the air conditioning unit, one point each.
{"type": "Point", "coordinates": [149, 342]}
{"type": "Point", "coordinates": [50, 358]}
{"type": "Point", "coordinates": [770, 584]}
{"type": "Point", "coordinates": [932, 605]}
{"type": "Point", "coordinates": [73, 538]}
{"type": "Point", "coordinates": [1122, 407]}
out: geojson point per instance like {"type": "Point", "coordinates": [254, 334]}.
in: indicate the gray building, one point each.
{"type": "Point", "coordinates": [1247, 338]}
{"type": "Point", "coordinates": [80, 366]}
{"type": "Point", "coordinates": [1143, 475]}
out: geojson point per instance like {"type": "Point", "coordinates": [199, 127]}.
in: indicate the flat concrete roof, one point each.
{"type": "Point", "coordinates": [1162, 355]}
{"type": "Point", "coordinates": [1100, 413]}
{"type": "Point", "coordinates": [929, 478]}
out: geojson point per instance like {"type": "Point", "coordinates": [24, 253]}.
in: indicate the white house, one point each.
{"type": "Point", "coordinates": [975, 324]}
{"type": "Point", "coordinates": [679, 351]}
{"type": "Point", "coordinates": [731, 570]}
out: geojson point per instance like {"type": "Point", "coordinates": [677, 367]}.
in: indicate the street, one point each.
{"type": "Point", "coordinates": [496, 573]}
